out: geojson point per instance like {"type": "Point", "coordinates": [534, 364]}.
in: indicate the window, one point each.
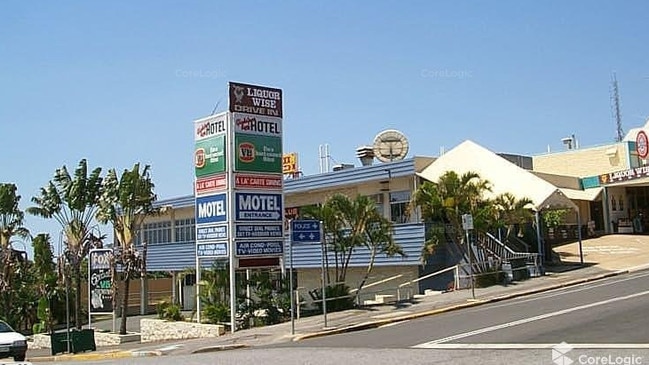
{"type": "Point", "coordinates": [399, 201]}
{"type": "Point", "coordinates": [185, 230]}
{"type": "Point", "coordinates": [378, 202]}
{"type": "Point", "coordinates": [156, 232]}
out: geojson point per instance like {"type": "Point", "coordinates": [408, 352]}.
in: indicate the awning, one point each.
{"type": "Point", "coordinates": [587, 194]}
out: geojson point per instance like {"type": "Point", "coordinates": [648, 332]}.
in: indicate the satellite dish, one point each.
{"type": "Point", "coordinates": [390, 145]}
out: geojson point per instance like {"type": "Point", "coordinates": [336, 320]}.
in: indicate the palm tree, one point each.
{"type": "Point", "coordinates": [72, 202]}
{"type": "Point", "coordinates": [378, 232]}
{"type": "Point", "coordinates": [447, 200]}
{"type": "Point", "coordinates": [513, 211]}
{"type": "Point", "coordinates": [125, 202]}
{"type": "Point", "coordinates": [11, 225]}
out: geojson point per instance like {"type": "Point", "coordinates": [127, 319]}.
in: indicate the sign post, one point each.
{"type": "Point", "coordinates": [310, 231]}
{"type": "Point", "coordinates": [467, 224]}
{"type": "Point", "coordinates": [100, 282]}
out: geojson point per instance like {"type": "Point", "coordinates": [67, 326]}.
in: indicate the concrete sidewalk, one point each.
{"type": "Point", "coordinates": [565, 275]}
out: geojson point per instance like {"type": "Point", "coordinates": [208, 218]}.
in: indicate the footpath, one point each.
{"type": "Point", "coordinates": [604, 257]}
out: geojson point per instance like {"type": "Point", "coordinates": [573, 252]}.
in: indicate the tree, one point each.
{"type": "Point", "coordinates": [72, 202]}
{"type": "Point", "coordinates": [352, 223]}
{"type": "Point", "coordinates": [125, 202]}
{"type": "Point", "coordinates": [45, 270]}
{"type": "Point", "coordinates": [379, 239]}
{"type": "Point", "coordinates": [512, 211]}
{"type": "Point", "coordinates": [11, 225]}
{"type": "Point", "coordinates": [447, 200]}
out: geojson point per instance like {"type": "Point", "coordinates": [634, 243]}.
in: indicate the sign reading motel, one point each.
{"type": "Point", "coordinates": [625, 175]}
{"type": "Point", "coordinates": [253, 99]}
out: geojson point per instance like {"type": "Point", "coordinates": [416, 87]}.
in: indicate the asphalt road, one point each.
{"type": "Point", "coordinates": [603, 320]}
{"type": "Point", "coordinates": [614, 311]}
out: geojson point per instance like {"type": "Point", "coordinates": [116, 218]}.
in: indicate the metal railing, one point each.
{"type": "Point", "coordinates": [408, 284]}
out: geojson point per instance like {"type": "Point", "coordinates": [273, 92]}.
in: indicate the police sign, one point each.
{"type": "Point", "coordinates": [211, 209]}
{"type": "Point", "coordinates": [258, 207]}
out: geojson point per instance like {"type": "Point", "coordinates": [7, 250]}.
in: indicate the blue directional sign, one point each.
{"type": "Point", "coordinates": [269, 230]}
{"type": "Point", "coordinates": [305, 231]}
{"type": "Point", "coordinates": [259, 248]}
{"type": "Point", "coordinates": [258, 207]}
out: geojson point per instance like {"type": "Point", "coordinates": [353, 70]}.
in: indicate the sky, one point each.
{"type": "Point", "coordinates": [121, 82]}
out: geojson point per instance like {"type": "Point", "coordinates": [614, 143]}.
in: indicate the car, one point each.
{"type": "Point", "coordinates": [12, 343]}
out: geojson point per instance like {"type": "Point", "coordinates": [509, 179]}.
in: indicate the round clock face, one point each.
{"type": "Point", "coordinates": [390, 145]}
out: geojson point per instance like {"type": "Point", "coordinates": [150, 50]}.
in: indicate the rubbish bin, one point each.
{"type": "Point", "coordinates": [83, 340]}
{"type": "Point", "coordinates": [80, 341]}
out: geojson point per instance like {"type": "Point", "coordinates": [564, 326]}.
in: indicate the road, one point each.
{"type": "Point", "coordinates": [604, 319]}
{"type": "Point", "coordinates": [610, 311]}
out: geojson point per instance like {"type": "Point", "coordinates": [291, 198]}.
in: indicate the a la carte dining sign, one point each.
{"type": "Point", "coordinates": [624, 175]}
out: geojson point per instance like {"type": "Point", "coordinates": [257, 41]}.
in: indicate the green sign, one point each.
{"type": "Point", "coordinates": [209, 156]}
{"type": "Point", "coordinates": [258, 153]}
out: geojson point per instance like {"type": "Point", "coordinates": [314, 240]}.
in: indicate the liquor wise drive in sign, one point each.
{"type": "Point", "coordinates": [258, 207]}
{"type": "Point", "coordinates": [254, 99]}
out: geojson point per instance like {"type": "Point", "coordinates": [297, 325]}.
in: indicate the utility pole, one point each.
{"type": "Point", "coordinates": [616, 110]}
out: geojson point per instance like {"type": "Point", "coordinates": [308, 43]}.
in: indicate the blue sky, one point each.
{"type": "Point", "coordinates": [120, 82]}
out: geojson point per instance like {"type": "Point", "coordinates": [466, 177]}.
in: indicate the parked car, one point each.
{"type": "Point", "coordinates": [12, 343]}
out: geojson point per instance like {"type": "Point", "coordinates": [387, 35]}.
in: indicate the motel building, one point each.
{"type": "Point", "coordinates": [603, 188]}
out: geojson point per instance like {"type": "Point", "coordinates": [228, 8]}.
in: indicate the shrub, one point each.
{"type": "Point", "coordinates": [216, 312]}
{"type": "Point", "coordinates": [168, 311]}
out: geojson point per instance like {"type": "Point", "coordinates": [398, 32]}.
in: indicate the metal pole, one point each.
{"type": "Point", "coordinates": [468, 243]}
{"type": "Point", "coordinates": [198, 289]}
{"type": "Point", "coordinates": [67, 307]}
{"type": "Point", "coordinates": [89, 273]}
{"type": "Point", "coordinates": [324, 285]}
{"type": "Point", "coordinates": [581, 252]}
{"type": "Point", "coordinates": [539, 241]}
{"type": "Point", "coordinates": [290, 276]}
{"type": "Point", "coordinates": [233, 293]}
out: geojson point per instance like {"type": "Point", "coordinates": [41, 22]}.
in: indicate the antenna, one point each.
{"type": "Point", "coordinates": [616, 110]}
{"type": "Point", "coordinates": [216, 106]}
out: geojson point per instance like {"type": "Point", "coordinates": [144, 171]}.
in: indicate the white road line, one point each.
{"type": "Point", "coordinates": [531, 346]}
{"type": "Point", "coordinates": [527, 320]}
{"type": "Point", "coordinates": [562, 291]}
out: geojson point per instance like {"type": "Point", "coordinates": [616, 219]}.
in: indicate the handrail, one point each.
{"type": "Point", "coordinates": [428, 276]}
{"type": "Point", "coordinates": [377, 283]}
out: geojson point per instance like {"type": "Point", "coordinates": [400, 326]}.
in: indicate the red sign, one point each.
{"type": "Point", "coordinates": [253, 181]}
{"type": "Point", "coordinates": [642, 144]}
{"type": "Point", "coordinates": [209, 184]}
{"type": "Point", "coordinates": [259, 262]}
